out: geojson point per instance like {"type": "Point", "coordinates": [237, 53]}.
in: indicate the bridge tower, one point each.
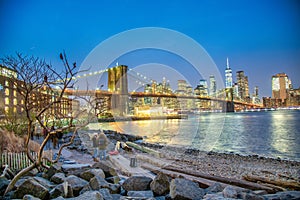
{"type": "Point", "coordinates": [118, 85]}
{"type": "Point", "coordinates": [228, 105]}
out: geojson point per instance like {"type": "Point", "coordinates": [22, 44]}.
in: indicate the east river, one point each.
{"type": "Point", "coordinates": [268, 133]}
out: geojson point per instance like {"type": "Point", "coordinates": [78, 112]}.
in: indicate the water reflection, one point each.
{"type": "Point", "coordinates": [284, 132]}
{"type": "Point", "coordinates": [275, 134]}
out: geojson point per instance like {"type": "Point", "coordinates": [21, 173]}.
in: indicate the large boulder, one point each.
{"type": "Point", "coordinates": [76, 184]}
{"type": "Point", "coordinates": [56, 168]}
{"type": "Point", "coordinates": [59, 191]}
{"type": "Point", "coordinates": [108, 170]}
{"type": "Point", "coordinates": [137, 183]}
{"type": "Point", "coordinates": [161, 184]}
{"type": "Point", "coordinates": [44, 182]}
{"type": "Point", "coordinates": [142, 194]}
{"type": "Point", "coordinates": [30, 197]}
{"type": "Point", "coordinates": [181, 189]}
{"type": "Point", "coordinates": [58, 178]}
{"type": "Point", "coordinates": [105, 194]}
{"type": "Point", "coordinates": [98, 182]}
{"type": "Point", "coordinates": [75, 169]}
{"type": "Point", "coordinates": [3, 185]}
{"type": "Point", "coordinates": [214, 188]}
{"type": "Point", "coordinates": [91, 173]}
{"type": "Point", "coordinates": [32, 187]}
{"type": "Point", "coordinates": [230, 192]}
{"type": "Point", "coordinates": [283, 195]}
{"type": "Point", "coordinates": [90, 195]}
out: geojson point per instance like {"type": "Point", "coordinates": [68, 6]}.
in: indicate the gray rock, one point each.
{"type": "Point", "coordinates": [91, 173]}
{"type": "Point", "coordinates": [250, 196]}
{"type": "Point", "coordinates": [108, 170]}
{"type": "Point", "coordinates": [114, 188]}
{"type": "Point", "coordinates": [56, 168]}
{"type": "Point", "coordinates": [216, 187]}
{"type": "Point", "coordinates": [85, 189]}
{"type": "Point", "coordinates": [33, 172]}
{"type": "Point", "coordinates": [161, 184]}
{"type": "Point", "coordinates": [75, 169]}
{"type": "Point", "coordinates": [116, 196]}
{"type": "Point", "coordinates": [160, 198]}
{"type": "Point", "coordinates": [230, 192]}
{"type": "Point", "coordinates": [181, 188]}
{"type": "Point", "coordinates": [113, 179]}
{"type": "Point", "coordinates": [283, 195]}
{"type": "Point", "coordinates": [105, 194]}
{"type": "Point", "coordinates": [59, 191]}
{"type": "Point", "coordinates": [44, 182]}
{"type": "Point", "coordinates": [214, 197]}
{"type": "Point", "coordinates": [3, 185]}
{"type": "Point", "coordinates": [32, 187]}
{"type": "Point", "coordinates": [143, 194]}
{"type": "Point", "coordinates": [58, 178]}
{"type": "Point", "coordinates": [260, 192]}
{"type": "Point", "coordinates": [76, 184]}
{"type": "Point", "coordinates": [98, 182]}
{"type": "Point", "coordinates": [90, 195]}
{"type": "Point", "coordinates": [59, 198]}
{"type": "Point", "coordinates": [30, 197]}
{"type": "Point", "coordinates": [137, 183]}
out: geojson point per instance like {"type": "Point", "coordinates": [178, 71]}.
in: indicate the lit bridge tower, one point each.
{"type": "Point", "coordinates": [118, 85]}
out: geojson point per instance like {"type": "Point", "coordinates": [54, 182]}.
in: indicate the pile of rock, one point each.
{"type": "Point", "coordinates": [71, 180]}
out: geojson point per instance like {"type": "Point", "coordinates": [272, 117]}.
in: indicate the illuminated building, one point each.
{"type": "Point", "coordinates": [182, 84]}
{"type": "Point", "coordinates": [280, 86]}
{"type": "Point", "coordinates": [255, 96]}
{"type": "Point", "coordinates": [212, 86]}
{"type": "Point", "coordinates": [228, 75]}
{"type": "Point", "coordinates": [9, 97]}
{"type": "Point", "coordinates": [11, 101]}
{"type": "Point", "coordinates": [243, 87]}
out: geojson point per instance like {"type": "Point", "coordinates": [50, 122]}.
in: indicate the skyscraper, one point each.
{"type": "Point", "coordinates": [280, 86]}
{"type": "Point", "coordinates": [228, 75]}
{"type": "Point", "coordinates": [243, 86]}
{"type": "Point", "coordinates": [182, 84]}
{"type": "Point", "coordinates": [212, 85]}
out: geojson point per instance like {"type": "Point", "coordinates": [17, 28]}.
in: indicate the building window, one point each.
{"type": "Point", "coordinates": [15, 93]}
{"type": "Point", "coordinates": [6, 92]}
{"type": "Point", "coordinates": [15, 85]}
{"type": "Point", "coordinates": [15, 109]}
{"type": "Point", "coordinates": [6, 109]}
{"type": "Point", "coordinates": [6, 101]}
{"type": "Point", "coordinates": [15, 102]}
{"type": "Point", "coordinates": [22, 101]}
{"type": "Point", "coordinates": [7, 83]}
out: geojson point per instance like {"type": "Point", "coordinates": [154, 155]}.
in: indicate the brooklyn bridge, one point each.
{"type": "Point", "coordinates": [119, 101]}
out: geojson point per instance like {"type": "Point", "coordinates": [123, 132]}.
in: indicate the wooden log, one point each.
{"type": "Point", "coordinates": [230, 181]}
{"type": "Point", "coordinates": [144, 149]}
{"type": "Point", "coordinates": [293, 185]}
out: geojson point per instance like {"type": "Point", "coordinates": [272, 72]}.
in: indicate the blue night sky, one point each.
{"type": "Point", "coordinates": [260, 37]}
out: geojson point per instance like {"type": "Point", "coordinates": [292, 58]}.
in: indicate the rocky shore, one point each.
{"type": "Point", "coordinates": [82, 178]}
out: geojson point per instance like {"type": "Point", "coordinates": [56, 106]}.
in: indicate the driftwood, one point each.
{"type": "Point", "coordinates": [229, 181]}
{"type": "Point", "coordinates": [209, 180]}
{"type": "Point", "coordinates": [144, 149]}
{"type": "Point", "coordinates": [293, 185]}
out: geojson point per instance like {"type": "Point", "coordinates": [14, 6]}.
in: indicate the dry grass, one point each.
{"type": "Point", "coordinates": [11, 142]}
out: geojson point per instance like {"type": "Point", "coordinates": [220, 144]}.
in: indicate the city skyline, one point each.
{"type": "Point", "coordinates": [260, 38]}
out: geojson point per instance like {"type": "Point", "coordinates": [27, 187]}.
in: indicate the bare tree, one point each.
{"type": "Point", "coordinates": [35, 76]}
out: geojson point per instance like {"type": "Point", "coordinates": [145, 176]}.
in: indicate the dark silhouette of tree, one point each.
{"type": "Point", "coordinates": [35, 76]}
